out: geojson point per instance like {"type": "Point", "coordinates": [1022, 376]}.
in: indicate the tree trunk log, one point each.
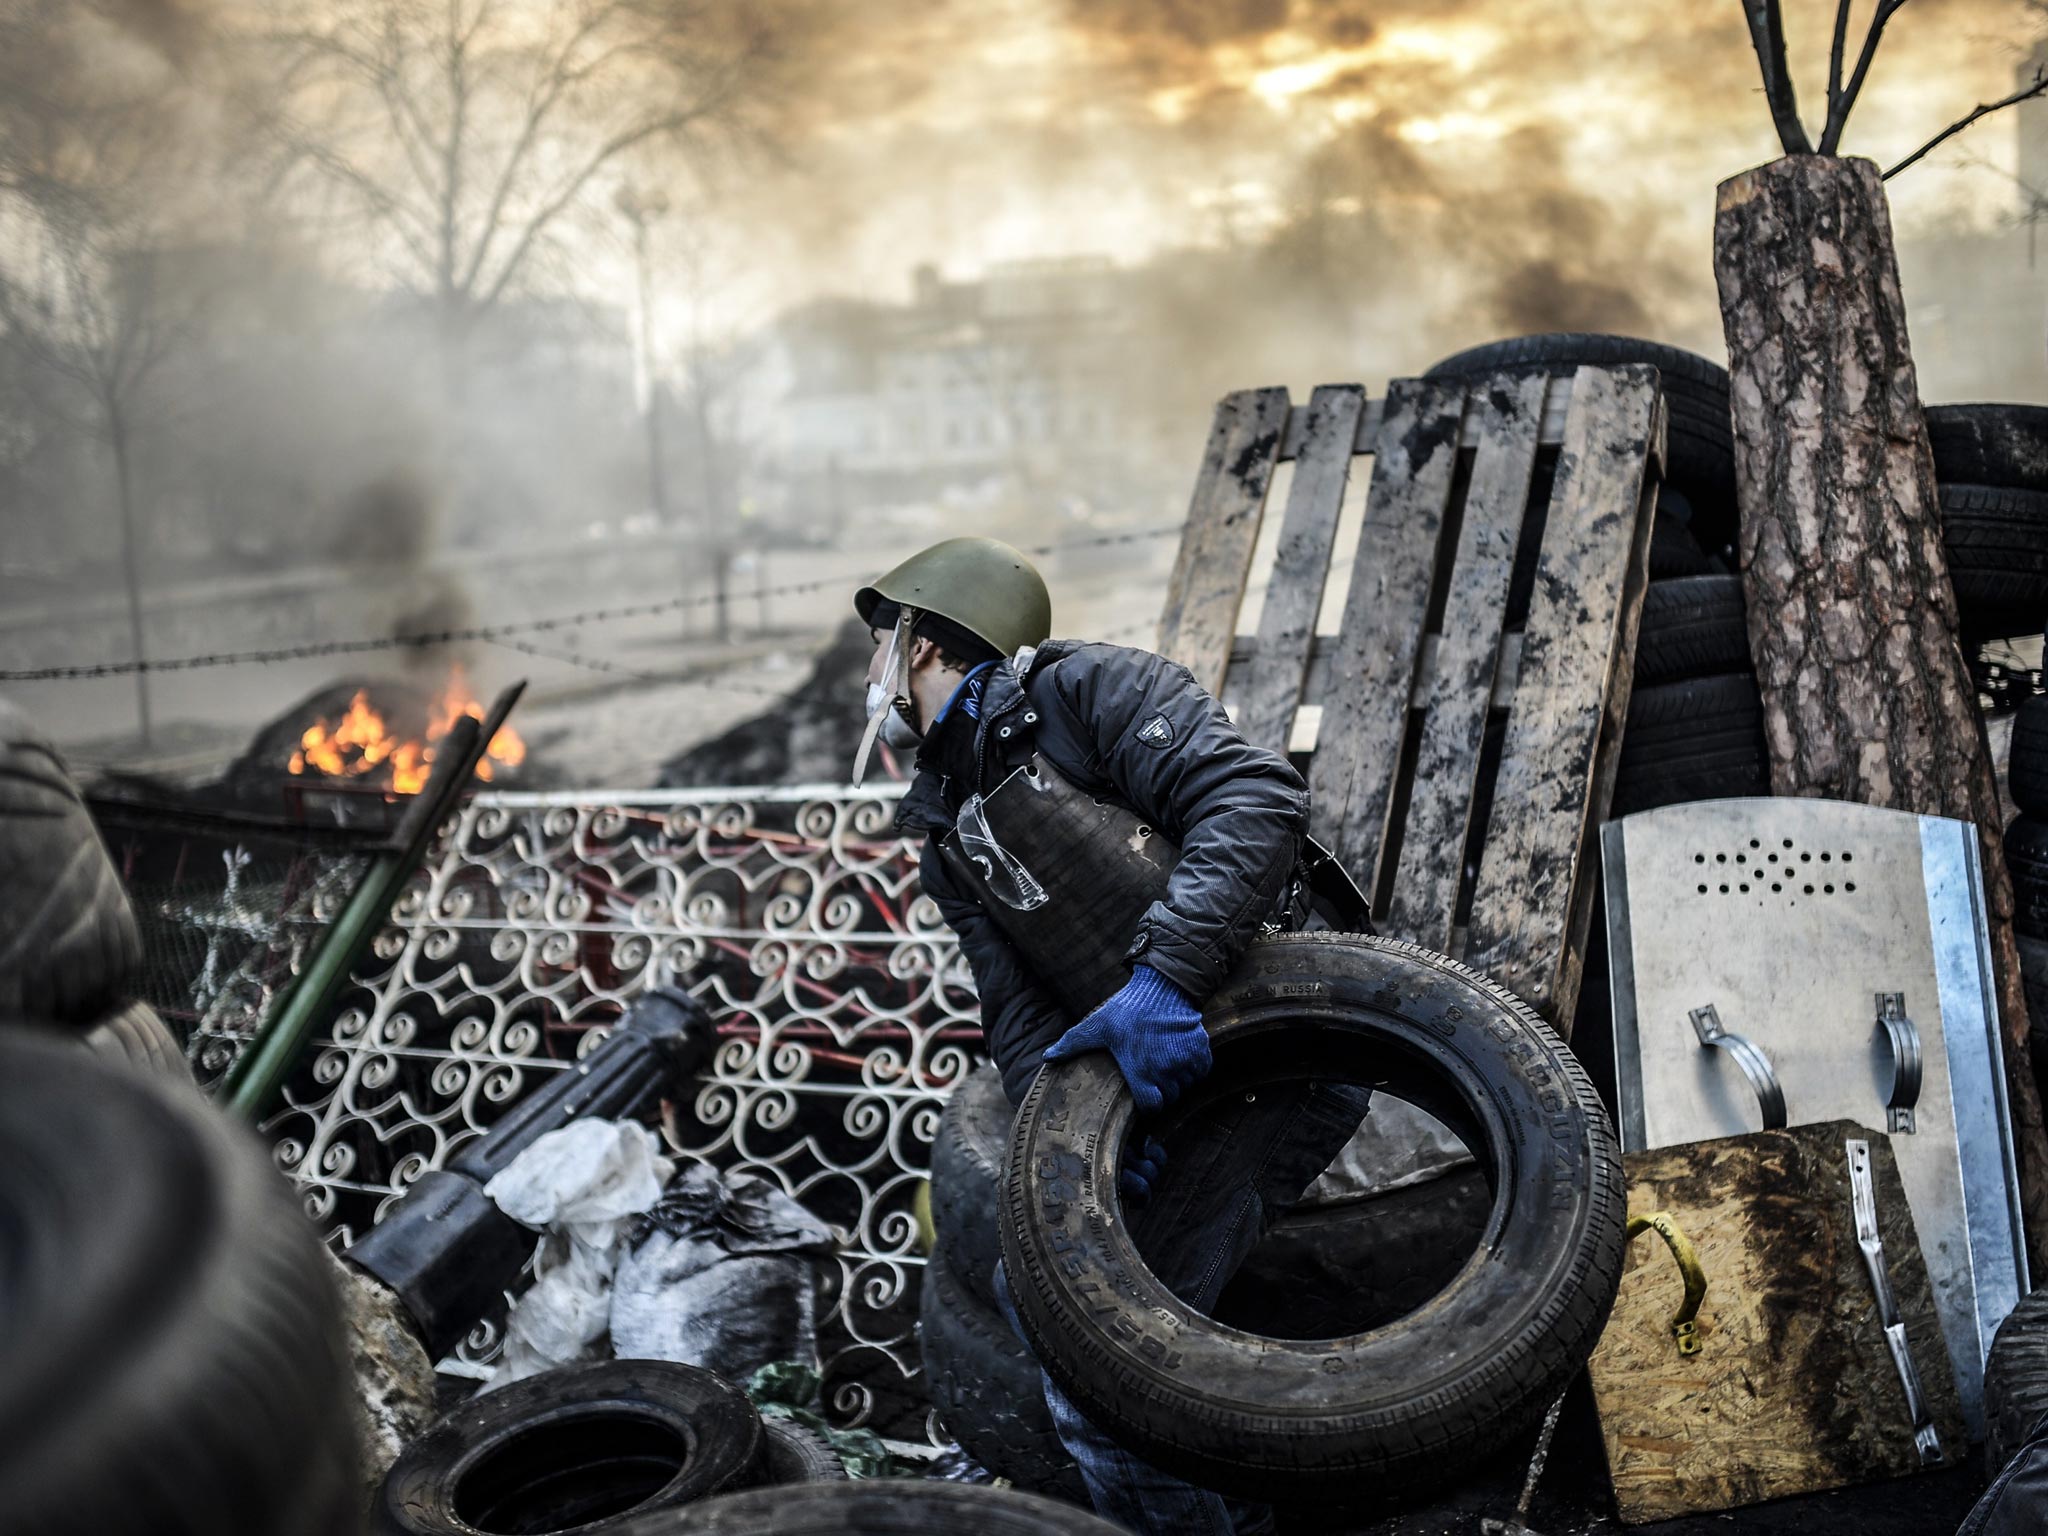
{"type": "Point", "coordinates": [1852, 619]}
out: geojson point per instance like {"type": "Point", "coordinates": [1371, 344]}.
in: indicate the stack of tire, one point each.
{"type": "Point", "coordinates": [172, 1361]}
{"type": "Point", "coordinates": [592, 1449]}
{"type": "Point", "coordinates": [1992, 465]}
{"type": "Point", "coordinates": [1695, 718]}
{"type": "Point", "coordinates": [69, 944]}
{"type": "Point", "coordinates": [983, 1382]}
{"type": "Point", "coordinates": [2026, 859]}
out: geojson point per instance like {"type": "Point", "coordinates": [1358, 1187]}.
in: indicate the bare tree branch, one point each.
{"type": "Point", "coordinates": [551, 81]}
{"type": "Point", "coordinates": [467, 128]}
{"type": "Point", "coordinates": [1838, 111]}
{"type": "Point", "coordinates": [1984, 109]}
{"type": "Point", "coordinates": [1767, 35]}
{"type": "Point", "coordinates": [1840, 42]}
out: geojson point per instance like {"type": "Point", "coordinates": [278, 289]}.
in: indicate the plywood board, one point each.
{"type": "Point", "coordinates": [1794, 1389]}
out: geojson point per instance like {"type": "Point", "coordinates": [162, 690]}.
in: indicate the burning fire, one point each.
{"type": "Point", "coordinates": [360, 742]}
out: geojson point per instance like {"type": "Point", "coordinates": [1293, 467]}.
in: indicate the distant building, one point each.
{"type": "Point", "coordinates": [1015, 377]}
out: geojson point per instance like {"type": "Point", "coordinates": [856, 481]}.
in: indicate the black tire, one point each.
{"type": "Point", "coordinates": [2016, 1381]}
{"type": "Point", "coordinates": [796, 1453]}
{"type": "Point", "coordinates": [875, 1507]}
{"type": "Point", "coordinates": [2026, 773]}
{"type": "Point", "coordinates": [135, 1033]}
{"type": "Point", "coordinates": [967, 1163]}
{"type": "Point", "coordinates": [2034, 982]}
{"type": "Point", "coordinates": [1399, 1407]}
{"type": "Point", "coordinates": [2026, 860]}
{"type": "Point", "coordinates": [1696, 626]}
{"type": "Point", "coordinates": [1997, 542]}
{"type": "Point", "coordinates": [68, 938]}
{"type": "Point", "coordinates": [2005, 445]}
{"type": "Point", "coordinates": [174, 1358]}
{"type": "Point", "coordinates": [1326, 1270]}
{"type": "Point", "coordinates": [1674, 551]}
{"type": "Point", "coordinates": [581, 1448]}
{"type": "Point", "coordinates": [1322, 1270]}
{"type": "Point", "coordinates": [1699, 439]}
{"type": "Point", "coordinates": [987, 1388]}
{"type": "Point", "coordinates": [1697, 740]}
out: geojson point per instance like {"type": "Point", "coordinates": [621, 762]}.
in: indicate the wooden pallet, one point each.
{"type": "Point", "coordinates": [1437, 640]}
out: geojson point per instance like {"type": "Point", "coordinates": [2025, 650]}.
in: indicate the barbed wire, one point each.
{"type": "Point", "coordinates": [719, 685]}
{"type": "Point", "coordinates": [500, 633]}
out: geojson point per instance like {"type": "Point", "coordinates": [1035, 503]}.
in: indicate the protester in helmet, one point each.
{"type": "Point", "coordinates": [964, 671]}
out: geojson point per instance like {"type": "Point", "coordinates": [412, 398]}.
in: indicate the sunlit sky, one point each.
{"type": "Point", "coordinates": [1590, 132]}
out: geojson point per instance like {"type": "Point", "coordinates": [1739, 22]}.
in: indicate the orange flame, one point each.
{"type": "Point", "coordinates": [360, 742]}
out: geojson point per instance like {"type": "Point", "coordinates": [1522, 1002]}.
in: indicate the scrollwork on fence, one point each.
{"type": "Point", "coordinates": [844, 1011]}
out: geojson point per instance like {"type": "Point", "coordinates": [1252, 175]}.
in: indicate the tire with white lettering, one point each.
{"type": "Point", "coordinates": [1400, 1407]}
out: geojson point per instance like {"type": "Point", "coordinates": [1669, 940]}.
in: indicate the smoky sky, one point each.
{"type": "Point", "coordinates": [1464, 167]}
{"type": "Point", "coordinates": [1524, 163]}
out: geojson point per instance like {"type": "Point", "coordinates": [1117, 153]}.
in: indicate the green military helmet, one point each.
{"type": "Point", "coordinates": [982, 585]}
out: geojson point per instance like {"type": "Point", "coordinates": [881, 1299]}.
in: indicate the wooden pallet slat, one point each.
{"type": "Point", "coordinates": [1528, 910]}
{"type": "Point", "coordinates": [1446, 775]}
{"type": "Point", "coordinates": [1372, 667]}
{"type": "Point", "coordinates": [1294, 596]}
{"type": "Point", "coordinates": [1202, 598]}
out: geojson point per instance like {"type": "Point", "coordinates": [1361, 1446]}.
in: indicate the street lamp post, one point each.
{"type": "Point", "coordinates": [642, 208]}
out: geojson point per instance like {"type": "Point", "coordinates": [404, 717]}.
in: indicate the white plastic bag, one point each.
{"type": "Point", "coordinates": [581, 1183]}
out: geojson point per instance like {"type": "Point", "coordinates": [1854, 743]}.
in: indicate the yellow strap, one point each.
{"type": "Point", "coordinates": [1683, 1326]}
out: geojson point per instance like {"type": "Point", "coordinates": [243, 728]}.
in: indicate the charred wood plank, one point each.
{"type": "Point", "coordinates": [1207, 586]}
{"type": "Point", "coordinates": [1446, 774]}
{"type": "Point", "coordinates": [1372, 667]}
{"type": "Point", "coordinates": [1294, 596]}
{"type": "Point", "coordinates": [1532, 899]}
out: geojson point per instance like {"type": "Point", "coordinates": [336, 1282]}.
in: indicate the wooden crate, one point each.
{"type": "Point", "coordinates": [1794, 1389]}
{"type": "Point", "coordinates": [1459, 725]}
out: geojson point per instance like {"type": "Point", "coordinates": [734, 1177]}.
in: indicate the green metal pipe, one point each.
{"type": "Point", "coordinates": [259, 1073]}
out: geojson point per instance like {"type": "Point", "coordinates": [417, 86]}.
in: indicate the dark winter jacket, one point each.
{"type": "Point", "coordinates": [1137, 728]}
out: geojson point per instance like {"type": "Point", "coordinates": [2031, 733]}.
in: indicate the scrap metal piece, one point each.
{"type": "Point", "coordinates": [1904, 1035]}
{"type": "Point", "coordinates": [1684, 1325]}
{"type": "Point", "coordinates": [1518, 1525]}
{"type": "Point", "coordinates": [1863, 1192]}
{"type": "Point", "coordinates": [1756, 1066]}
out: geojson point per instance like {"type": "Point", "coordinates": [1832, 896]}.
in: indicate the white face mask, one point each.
{"type": "Point", "coordinates": [885, 719]}
{"type": "Point", "coordinates": [897, 730]}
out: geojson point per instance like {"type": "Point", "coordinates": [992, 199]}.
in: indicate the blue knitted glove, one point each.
{"type": "Point", "coordinates": [1143, 1167]}
{"type": "Point", "coordinates": [1154, 1030]}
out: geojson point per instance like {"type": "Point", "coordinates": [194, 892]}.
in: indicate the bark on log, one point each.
{"type": "Point", "coordinates": [1852, 620]}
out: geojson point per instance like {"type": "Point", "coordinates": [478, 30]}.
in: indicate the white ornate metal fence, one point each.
{"type": "Point", "coordinates": [844, 1011]}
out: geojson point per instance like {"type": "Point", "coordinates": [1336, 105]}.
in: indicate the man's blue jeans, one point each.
{"type": "Point", "coordinates": [1232, 1170]}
